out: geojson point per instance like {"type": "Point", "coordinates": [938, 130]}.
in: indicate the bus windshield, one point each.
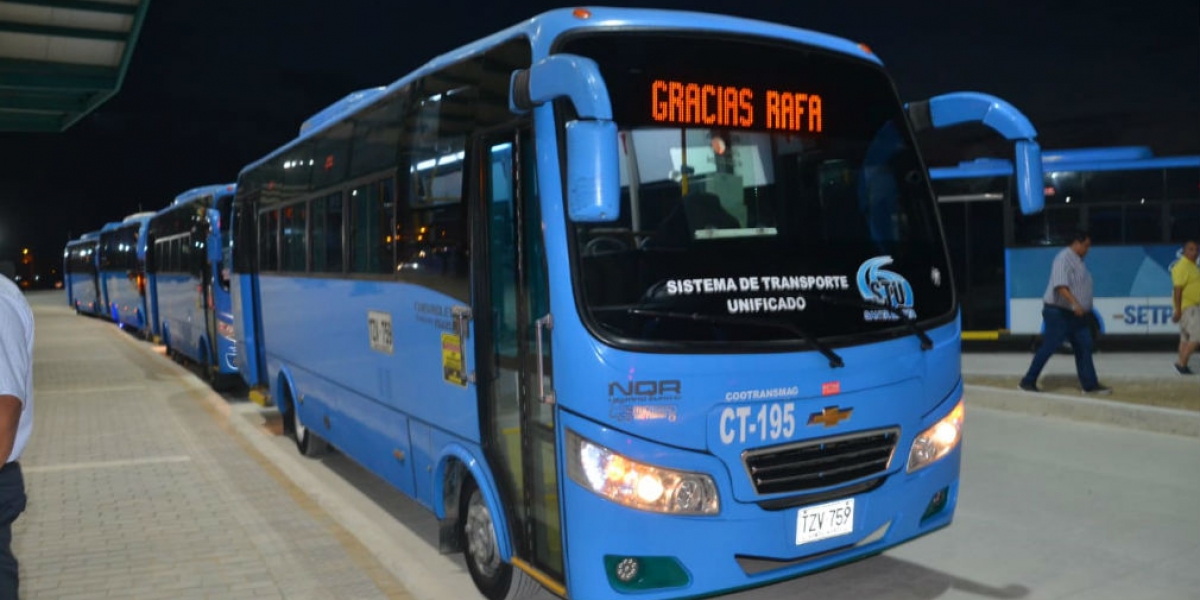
{"type": "Point", "coordinates": [766, 190]}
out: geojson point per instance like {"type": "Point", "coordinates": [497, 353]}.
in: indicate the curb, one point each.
{"type": "Point", "coordinates": [1132, 416]}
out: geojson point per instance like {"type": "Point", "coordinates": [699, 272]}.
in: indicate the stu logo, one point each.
{"type": "Point", "coordinates": [880, 286]}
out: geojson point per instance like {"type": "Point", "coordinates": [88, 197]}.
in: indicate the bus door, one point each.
{"type": "Point", "coordinates": [208, 270]}
{"type": "Point", "coordinates": [975, 236]}
{"type": "Point", "coordinates": [514, 351]}
{"type": "Point", "coordinates": [97, 305]}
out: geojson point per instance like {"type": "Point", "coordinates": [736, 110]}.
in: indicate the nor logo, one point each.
{"type": "Point", "coordinates": [648, 388]}
{"type": "Point", "coordinates": [880, 286]}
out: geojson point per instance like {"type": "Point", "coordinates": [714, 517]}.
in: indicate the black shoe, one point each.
{"type": "Point", "coordinates": [1184, 370]}
{"type": "Point", "coordinates": [1028, 387]}
{"type": "Point", "coordinates": [1099, 390]}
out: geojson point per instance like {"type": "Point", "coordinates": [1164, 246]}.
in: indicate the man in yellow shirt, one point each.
{"type": "Point", "coordinates": [1185, 276]}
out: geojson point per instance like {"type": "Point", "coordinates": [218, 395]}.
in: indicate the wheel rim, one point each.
{"type": "Point", "coordinates": [481, 536]}
{"type": "Point", "coordinates": [297, 426]}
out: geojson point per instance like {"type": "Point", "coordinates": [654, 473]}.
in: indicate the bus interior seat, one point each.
{"type": "Point", "coordinates": [704, 211]}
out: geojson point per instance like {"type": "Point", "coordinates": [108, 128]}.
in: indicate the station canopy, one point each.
{"type": "Point", "coordinates": [60, 59]}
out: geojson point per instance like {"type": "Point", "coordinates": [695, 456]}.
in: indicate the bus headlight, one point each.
{"type": "Point", "coordinates": [639, 485]}
{"type": "Point", "coordinates": [937, 441]}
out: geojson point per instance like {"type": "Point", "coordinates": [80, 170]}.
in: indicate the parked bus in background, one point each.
{"type": "Point", "coordinates": [637, 302]}
{"type": "Point", "coordinates": [81, 276]}
{"type": "Point", "coordinates": [122, 260]}
{"type": "Point", "coordinates": [1138, 208]}
{"type": "Point", "coordinates": [189, 281]}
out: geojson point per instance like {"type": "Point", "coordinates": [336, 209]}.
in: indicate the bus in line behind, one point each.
{"type": "Point", "coordinates": [122, 272]}
{"type": "Point", "coordinates": [1138, 208]}
{"type": "Point", "coordinates": [188, 273]}
{"type": "Point", "coordinates": [81, 274]}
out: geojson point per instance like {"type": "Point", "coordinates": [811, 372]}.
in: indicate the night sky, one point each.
{"type": "Point", "coordinates": [215, 85]}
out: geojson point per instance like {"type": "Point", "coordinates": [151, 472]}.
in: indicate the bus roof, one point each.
{"type": "Point", "coordinates": [90, 236]}
{"type": "Point", "coordinates": [204, 190]}
{"type": "Point", "coordinates": [139, 216]}
{"type": "Point", "coordinates": [1117, 158]}
{"type": "Point", "coordinates": [1096, 154]}
{"type": "Point", "coordinates": [546, 27]}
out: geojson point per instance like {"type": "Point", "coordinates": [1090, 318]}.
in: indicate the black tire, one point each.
{"type": "Point", "coordinates": [495, 579]}
{"type": "Point", "coordinates": [308, 443]}
{"type": "Point", "coordinates": [218, 381]}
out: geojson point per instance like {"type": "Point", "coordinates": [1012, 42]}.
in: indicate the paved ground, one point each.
{"type": "Point", "coordinates": [139, 488]}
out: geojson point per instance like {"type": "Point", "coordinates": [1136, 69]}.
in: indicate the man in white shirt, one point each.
{"type": "Point", "coordinates": [16, 416]}
{"type": "Point", "coordinates": [1067, 307]}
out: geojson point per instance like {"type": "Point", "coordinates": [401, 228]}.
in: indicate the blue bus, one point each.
{"type": "Point", "coordinates": [188, 273]}
{"type": "Point", "coordinates": [81, 276]}
{"type": "Point", "coordinates": [612, 282]}
{"type": "Point", "coordinates": [1138, 208]}
{"type": "Point", "coordinates": [122, 273]}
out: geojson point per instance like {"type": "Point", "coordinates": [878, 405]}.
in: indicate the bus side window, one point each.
{"type": "Point", "coordinates": [268, 258]}
{"type": "Point", "coordinates": [372, 212]}
{"type": "Point", "coordinates": [1185, 220]}
{"type": "Point", "coordinates": [431, 226]}
{"type": "Point", "coordinates": [326, 237]}
{"type": "Point", "coordinates": [292, 237]}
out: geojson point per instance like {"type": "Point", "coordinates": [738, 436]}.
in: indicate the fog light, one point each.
{"type": "Point", "coordinates": [638, 573]}
{"type": "Point", "coordinates": [936, 503]}
{"type": "Point", "coordinates": [627, 569]}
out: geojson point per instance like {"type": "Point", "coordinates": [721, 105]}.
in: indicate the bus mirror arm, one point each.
{"type": "Point", "coordinates": [593, 192]}
{"type": "Point", "coordinates": [960, 108]}
{"type": "Point", "coordinates": [575, 78]}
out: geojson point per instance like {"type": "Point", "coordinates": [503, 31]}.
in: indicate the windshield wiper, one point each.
{"type": "Point", "coordinates": [926, 343]}
{"type": "Point", "coordinates": [835, 361]}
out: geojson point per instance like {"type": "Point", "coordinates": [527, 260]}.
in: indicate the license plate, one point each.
{"type": "Point", "coordinates": [823, 521]}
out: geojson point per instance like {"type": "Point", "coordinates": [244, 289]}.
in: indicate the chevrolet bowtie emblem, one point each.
{"type": "Point", "coordinates": [830, 416]}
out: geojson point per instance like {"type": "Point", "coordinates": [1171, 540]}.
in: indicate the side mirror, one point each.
{"type": "Point", "coordinates": [984, 109]}
{"type": "Point", "coordinates": [1027, 159]}
{"type": "Point", "coordinates": [591, 139]}
{"type": "Point", "coordinates": [592, 197]}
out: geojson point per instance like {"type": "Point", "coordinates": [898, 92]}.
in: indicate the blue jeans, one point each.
{"type": "Point", "coordinates": [1062, 324]}
{"type": "Point", "coordinates": [12, 503]}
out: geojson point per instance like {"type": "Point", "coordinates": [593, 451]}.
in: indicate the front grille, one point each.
{"type": "Point", "coordinates": [820, 463]}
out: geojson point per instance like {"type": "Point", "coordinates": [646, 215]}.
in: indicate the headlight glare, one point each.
{"type": "Point", "coordinates": [639, 485]}
{"type": "Point", "coordinates": [937, 441]}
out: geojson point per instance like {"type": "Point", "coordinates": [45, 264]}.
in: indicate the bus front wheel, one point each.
{"type": "Point", "coordinates": [496, 579]}
{"type": "Point", "coordinates": [308, 443]}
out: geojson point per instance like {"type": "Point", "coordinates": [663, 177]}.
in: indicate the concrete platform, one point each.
{"type": "Point", "coordinates": [140, 487]}
{"type": "Point", "coordinates": [1114, 369]}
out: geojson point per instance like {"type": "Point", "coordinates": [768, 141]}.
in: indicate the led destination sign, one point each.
{"type": "Point", "coordinates": [707, 104]}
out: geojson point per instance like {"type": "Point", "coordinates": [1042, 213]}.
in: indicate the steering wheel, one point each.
{"type": "Point", "coordinates": [603, 245]}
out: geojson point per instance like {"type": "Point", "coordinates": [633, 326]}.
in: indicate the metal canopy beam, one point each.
{"type": "Point", "coordinates": [61, 59]}
{"type": "Point", "coordinates": [84, 5]}
{"type": "Point", "coordinates": [66, 32]}
{"type": "Point", "coordinates": [33, 76]}
{"type": "Point", "coordinates": [48, 102]}
{"type": "Point", "coordinates": [30, 122]}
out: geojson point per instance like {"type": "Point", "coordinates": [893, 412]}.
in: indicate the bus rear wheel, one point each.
{"type": "Point", "coordinates": [495, 579]}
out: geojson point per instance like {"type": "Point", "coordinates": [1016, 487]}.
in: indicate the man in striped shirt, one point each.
{"type": "Point", "coordinates": [1067, 315]}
